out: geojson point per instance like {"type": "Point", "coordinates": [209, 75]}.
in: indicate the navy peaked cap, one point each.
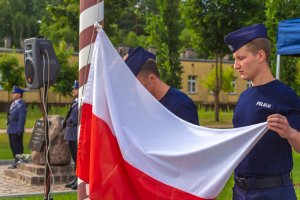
{"type": "Point", "coordinates": [76, 85]}
{"type": "Point", "coordinates": [136, 58]}
{"type": "Point", "coordinates": [17, 90]}
{"type": "Point", "coordinates": [240, 37]}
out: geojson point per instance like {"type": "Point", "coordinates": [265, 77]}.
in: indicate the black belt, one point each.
{"type": "Point", "coordinates": [262, 182]}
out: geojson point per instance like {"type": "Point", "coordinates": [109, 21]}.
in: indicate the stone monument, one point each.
{"type": "Point", "coordinates": [59, 150]}
{"type": "Point", "coordinates": [34, 173]}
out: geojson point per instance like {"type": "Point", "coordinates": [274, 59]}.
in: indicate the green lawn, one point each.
{"type": "Point", "coordinates": [207, 117]}
{"type": "Point", "coordinates": [65, 196]}
{"type": "Point", "coordinates": [5, 152]}
{"type": "Point", "coordinates": [34, 113]}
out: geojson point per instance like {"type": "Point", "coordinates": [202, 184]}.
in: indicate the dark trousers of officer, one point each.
{"type": "Point", "coordinates": [73, 150]}
{"type": "Point", "coordinates": [16, 144]}
{"type": "Point", "coordinates": [256, 191]}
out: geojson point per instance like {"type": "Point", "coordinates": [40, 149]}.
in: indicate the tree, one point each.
{"type": "Point", "coordinates": [212, 20]}
{"type": "Point", "coordinates": [133, 40]}
{"type": "Point", "coordinates": [276, 11]}
{"type": "Point", "coordinates": [123, 18]}
{"type": "Point", "coordinates": [210, 81]}
{"type": "Point", "coordinates": [12, 73]}
{"type": "Point", "coordinates": [164, 30]}
{"type": "Point", "coordinates": [68, 73]}
{"type": "Point", "coordinates": [19, 19]}
{"type": "Point", "coordinates": [60, 22]}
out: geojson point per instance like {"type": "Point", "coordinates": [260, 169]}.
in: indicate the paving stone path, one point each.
{"type": "Point", "coordinates": [11, 187]}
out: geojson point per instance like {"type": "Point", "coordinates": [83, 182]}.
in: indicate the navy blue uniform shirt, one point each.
{"type": "Point", "coordinates": [181, 105]}
{"type": "Point", "coordinates": [272, 155]}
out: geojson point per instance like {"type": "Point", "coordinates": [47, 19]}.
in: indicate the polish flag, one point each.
{"type": "Point", "coordinates": [132, 148]}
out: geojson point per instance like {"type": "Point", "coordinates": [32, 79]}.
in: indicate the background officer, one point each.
{"type": "Point", "coordinates": [16, 118]}
{"type": "Point", "coordinates": [143, 66]}
{"type": "Point", "coordinates": [71, 124]}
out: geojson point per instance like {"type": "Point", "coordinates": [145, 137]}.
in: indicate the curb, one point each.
{"type": "Point", "coordinates": [7, 162]}
{"type": "Point", "coordinates": [27, 130]}
{"type": "Point", "coordinates": [34, 194]}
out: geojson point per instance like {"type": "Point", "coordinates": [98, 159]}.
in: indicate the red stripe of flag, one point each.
{"type": "Point", "coordinates": [100, 163]}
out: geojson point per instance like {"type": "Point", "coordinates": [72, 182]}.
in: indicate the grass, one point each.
{"type": "Point", "coordinates": [34, 113]}
{"type": "Point", "coordinates": [65, 196]}
{"type": "Point", "coordinates": [5, 152]}
{"type": "Point", "coordinates": [207, 117]}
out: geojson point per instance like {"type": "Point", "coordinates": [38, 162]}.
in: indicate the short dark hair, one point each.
{"type": "Point", "coordinates": [150, 67]}
{"type": "Point", "coordinates": [260, 44]}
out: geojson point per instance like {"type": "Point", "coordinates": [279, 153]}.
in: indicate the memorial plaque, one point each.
{"type": "Point", "coordinates": [38, 136]}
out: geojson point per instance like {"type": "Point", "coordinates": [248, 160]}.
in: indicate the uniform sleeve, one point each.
{"type": "Point", "coordinates": [293, 111]}
{"type": "Point", "coordinates": [188, 112]}
{"type": "Point", "coordinates": [21, 118]}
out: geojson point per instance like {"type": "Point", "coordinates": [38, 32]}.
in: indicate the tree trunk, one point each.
{"type": "Point", "coordinates": [217, 91]}
{"type": "Point", "coordinates": [217, 108]}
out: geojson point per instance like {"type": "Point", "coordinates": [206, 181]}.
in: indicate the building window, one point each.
{"type": "Point", "coordinates": [233, 84]}
{"type": "Point", "coordinates": [192, 84]}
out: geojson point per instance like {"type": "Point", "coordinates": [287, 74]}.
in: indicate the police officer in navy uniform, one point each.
{"type": "Point", "coordinates": [143, 65]}
{"type": "Point", "coordinates": [71, 124]}
{"type": "Point", "coordinates": [16, 118]}
{"type": "Point", "coordinates": [265, 171]}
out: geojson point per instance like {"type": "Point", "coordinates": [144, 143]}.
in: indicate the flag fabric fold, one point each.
{"type": "Point", "coordinates": [133, 148]}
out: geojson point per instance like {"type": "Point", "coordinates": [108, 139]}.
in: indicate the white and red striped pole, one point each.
{"type": "Point", "coordinates": [91, 11]}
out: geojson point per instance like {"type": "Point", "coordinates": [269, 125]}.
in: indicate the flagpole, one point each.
{"type": "Point", "coordinates": [91, 11]}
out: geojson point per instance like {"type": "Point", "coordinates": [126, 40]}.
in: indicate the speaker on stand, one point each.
{"type": "Point", "coordinates": [41, 70]}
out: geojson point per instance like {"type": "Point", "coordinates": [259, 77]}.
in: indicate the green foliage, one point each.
{"type": "Point", "coordinates": [212, 20]}
{"type": "Point", "coordinates": [133, 40]}
{"type": "Point", "coordinates": [276, 11]}
{"type": "Point", "coordinates": [68, 72]}
{"type": "Point", "coordinates": [19, 19]}
{"type": "Point", "coordinates": [164, 30]}
{"type": "Point", "coordinates": [60, 22]}
{"type": "Point", "coordinates": [11, 71]}
{"type": "Point", "coordinates": [210, 80]}
{"type": "Point", "coordinates": [297, 82]}
{"type": "Point", "coordinates": [228, 77]}
{"type": "Point", "coordinates": [188, 38]}
{"type": "Point", "coordinates": [118, 13]}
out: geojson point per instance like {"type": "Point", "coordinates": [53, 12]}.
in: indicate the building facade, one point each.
{"type": "Point", "coordinates": [196, 70]}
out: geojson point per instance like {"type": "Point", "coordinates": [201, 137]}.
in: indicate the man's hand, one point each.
{"type": "Point", "coordinates": [279, 124]}
{"type": "Point", "coordinates": [125, 57]}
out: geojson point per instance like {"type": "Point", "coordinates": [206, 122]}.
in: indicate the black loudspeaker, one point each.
{"type": "Point", "coordinates": [41, 65]}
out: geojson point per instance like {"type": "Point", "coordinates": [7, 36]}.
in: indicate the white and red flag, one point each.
{"type": "Point", "coordinates": [132, 148]}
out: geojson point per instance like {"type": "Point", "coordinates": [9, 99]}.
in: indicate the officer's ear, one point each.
{"type": "Point", "coordinates": [261, 54]}
{"type": "Point", "coordinates": [152, 77]}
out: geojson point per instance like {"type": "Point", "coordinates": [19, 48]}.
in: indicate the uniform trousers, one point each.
{"type": "Point", "coordinates": [73, 150]}
{"type": "Point", "coordinates": [284, 192]}
{"type": "Point", "coordinates": [16, 144]}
